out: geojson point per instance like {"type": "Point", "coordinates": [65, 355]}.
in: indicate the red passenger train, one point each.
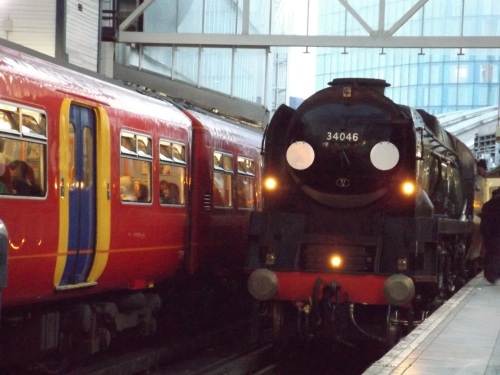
{"type": "Point", "coordinates": [106, 195]}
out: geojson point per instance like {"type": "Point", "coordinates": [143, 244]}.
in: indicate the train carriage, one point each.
{"type": "Point", "coordinates": [75, 233]}
{"type": "Point", "coordinates": [231, 168]}
{"type": "Point", "coordinates": [107, 206]}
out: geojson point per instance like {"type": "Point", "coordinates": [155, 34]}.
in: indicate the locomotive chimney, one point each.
{"type": "Point", "coordinates": [378, 85]}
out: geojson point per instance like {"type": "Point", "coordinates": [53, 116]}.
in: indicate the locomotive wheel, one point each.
{"type": "Point", "coordinates": [278, 323]}
{"type": "Point", "coordinates": [260, 317]}
{"type": "Point", "coordinates": [394, 331]}
{"type": "Point", "coordinates": [460, 264]}
{"type": "Point", "coordinates": [443, 276]}
{"type": "Point", "coordinates": [393, 334]}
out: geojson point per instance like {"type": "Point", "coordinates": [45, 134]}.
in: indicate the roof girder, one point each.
{"type": "Point", "coordinates": [376, 39]}
{"type": "Point", "coordinates": [266, 41]}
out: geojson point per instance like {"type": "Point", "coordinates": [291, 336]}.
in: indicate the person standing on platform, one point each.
{"type": "Point", "coordinates": [490, 229]}
{"type": "Point", "coordinates": [480, 176]}
{"type": "Point", "coordinates": [480, 195]}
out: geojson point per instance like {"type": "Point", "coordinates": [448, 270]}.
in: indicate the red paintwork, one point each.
{"type": "Point", "coordinates": [149, 243]}
{"type": "Point", "coordinates": [146, 240]}
{"type": "Point", "coordinates": [219, 235]}
{"type": "Point", "coordinates": [299, 286]}
{"type": "Point", "coordinates": [140, 247]}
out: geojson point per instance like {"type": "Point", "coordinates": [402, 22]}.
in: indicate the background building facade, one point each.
{"type": "Point", "coordinates": [296, 48]}
{"type": "Point", "coordinates": [438, 80]}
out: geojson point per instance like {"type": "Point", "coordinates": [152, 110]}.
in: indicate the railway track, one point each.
{"type": "Point", "coordinates": [260, 360]}
{"type": "Point", "coordinates": [218, 354]}
{"type": "Point", "coordinates": [213, 352]}
{"type": "Point", "coordinates": [225, 346]}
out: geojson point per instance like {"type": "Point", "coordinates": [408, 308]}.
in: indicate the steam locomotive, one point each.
{"type": "Point", "coordinates": [367, 216]}
{"type": "Point", "coordinates": [115, 207]}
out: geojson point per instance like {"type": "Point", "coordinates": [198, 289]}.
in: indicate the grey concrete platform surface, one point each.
{"type": "Point", "coordinates": [461, 337]}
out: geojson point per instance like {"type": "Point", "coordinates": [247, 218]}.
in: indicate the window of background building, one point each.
{"type": "Point", "coordinates": [260, 13]}
{"type": "Point", "coordinates": [186, 64]}
{"type": "Point", "coordinates": [436, 76]}
{"type": "Point", "coordinates": [220, 17]}
{"type": "Point", "coordinates": [216, 69]}
{"type": "Point", "coordinates": [192, 16]}
{"type": "Point", "coordinates": [158, 60]}
{"type": "Point", "coordinates": [245, 86]}
{"type": "Point", "coordinates": [465, 97]}
{"type": "Point", "coordinates": [488, 71]}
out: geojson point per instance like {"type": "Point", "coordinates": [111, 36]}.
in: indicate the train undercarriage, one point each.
{"type": "Point", "coordinates": [330, 315]}
{"type": "Point", "coordinates": [59, 333]}
{"type": "Point", "coordinates": [52, 337]}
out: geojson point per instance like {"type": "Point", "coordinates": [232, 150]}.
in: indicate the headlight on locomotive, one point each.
{"type": "Point", "coordinates": [384, 156]}
{"type": "Point", "coordinates": [341, 163]}
{"type": "Point", "coordinates": [300, 155]}
{"type": "Point", "coordinates": [408, 188]}
{"type": "Point", "coordinates": [335, 261]}
{"type": "Point", "coordinates": [270, 183]}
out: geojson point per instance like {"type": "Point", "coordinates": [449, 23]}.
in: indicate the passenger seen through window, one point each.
{"type": "Point", "coordinates": [23, 144]}
{"type": "Point", "coordinates": [172, 173]}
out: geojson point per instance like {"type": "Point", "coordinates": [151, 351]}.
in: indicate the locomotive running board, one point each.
{"type": "Point", "coordinates": [76, 286]}
{"type": "Point", "coordinates": [425, 278]}
{"type": "Point", "coordinates": [450, 226]}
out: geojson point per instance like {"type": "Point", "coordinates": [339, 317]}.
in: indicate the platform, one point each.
{"type": "Point", "coordinates": [461, 337]}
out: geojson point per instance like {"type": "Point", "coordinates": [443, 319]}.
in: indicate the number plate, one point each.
{"type": "Point", "coordinates": [342, 136]}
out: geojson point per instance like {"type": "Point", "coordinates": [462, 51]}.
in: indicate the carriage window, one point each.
{"type": "Point", "coordinates": [71, 132]}
{"type": "Point", "coordinates": [87, 157]}
{"type": "Point", "coordinates": [222, 184]}
{"type": "Point", "coordinates": [23, 145]}
{"type": "Point", "coordinates": [172, 172]}
{"type": "Point", "coordinates": [33, 124]}
{"type": "Point", "coordinates": [128, 144]}
{"type": "Point", "coordinates": [245, 183]}
{"type": "Point", "coordinates": [22, 121]}
{"type": "Point", "coordinates": [135, 167]}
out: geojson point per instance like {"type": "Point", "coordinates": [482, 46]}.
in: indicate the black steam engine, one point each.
{"type": "Point", "coordinates": [368, 207]}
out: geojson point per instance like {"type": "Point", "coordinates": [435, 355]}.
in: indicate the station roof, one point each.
{"type": "Point", "coordinates": [466, 124]}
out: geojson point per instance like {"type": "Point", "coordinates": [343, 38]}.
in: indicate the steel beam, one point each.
{"type": "Point", "coordinates": [266, 41]}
